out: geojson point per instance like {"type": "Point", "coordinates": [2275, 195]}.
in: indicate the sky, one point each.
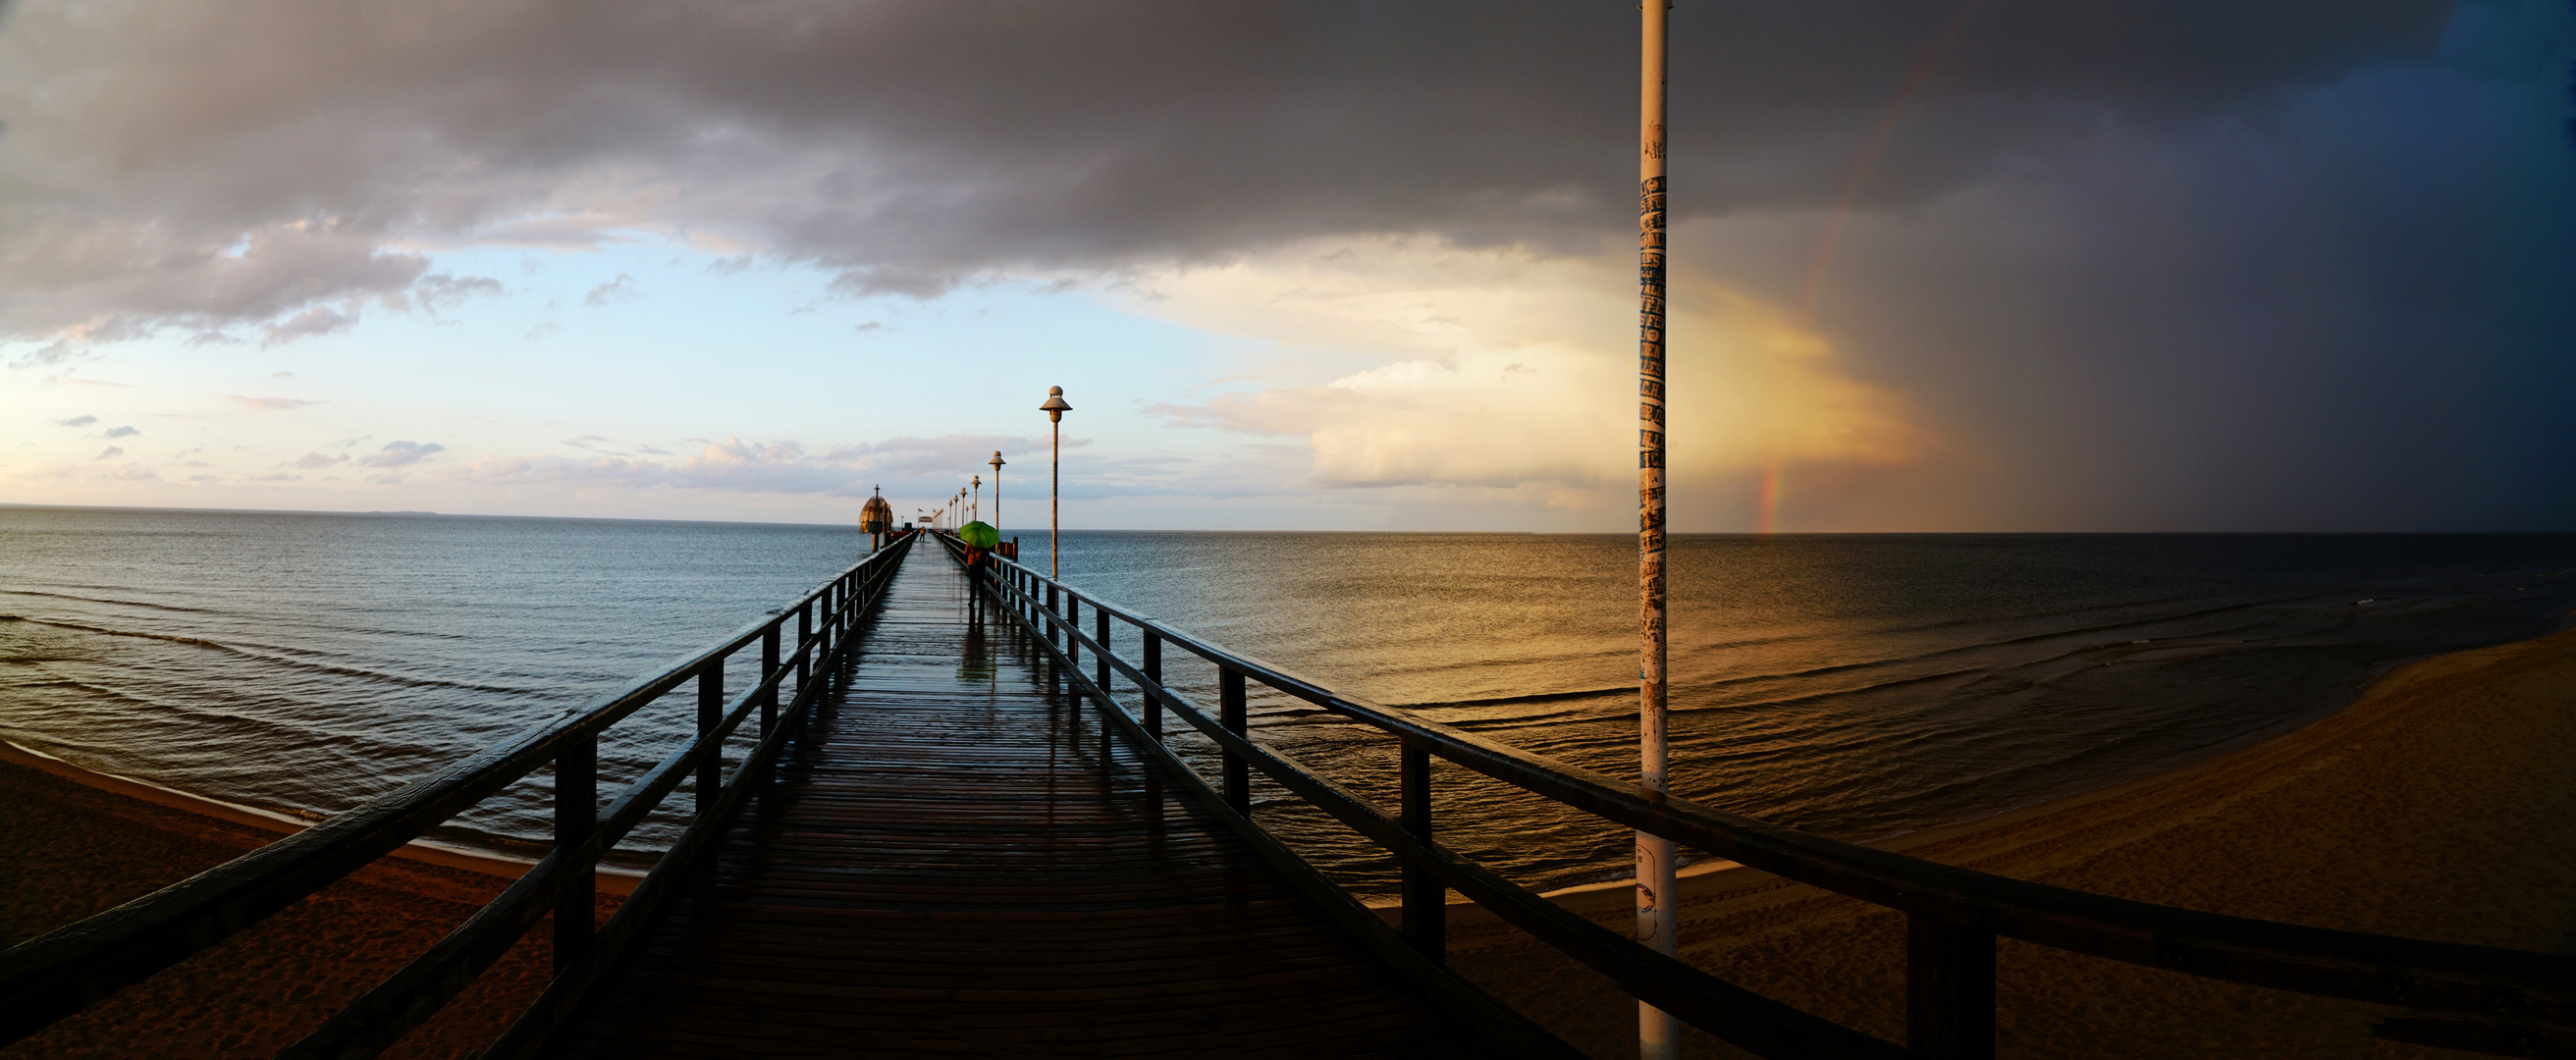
{"type": "Point", "coordinates": [1972, 265]}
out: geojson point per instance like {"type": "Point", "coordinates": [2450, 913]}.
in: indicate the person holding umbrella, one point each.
{"type": "Point", "coordinates": [980, 539]}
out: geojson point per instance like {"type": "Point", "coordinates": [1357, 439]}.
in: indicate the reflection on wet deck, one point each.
{"type": "Point", "coordinates": [959, 861]}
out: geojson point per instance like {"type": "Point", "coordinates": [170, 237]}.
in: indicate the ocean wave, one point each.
{"type": "Point", "coordinates": [300, 664]}
{"type": "Point", "coordinates": [1533, 697]}
{"type": "Point", "coordinates": [118, 603]}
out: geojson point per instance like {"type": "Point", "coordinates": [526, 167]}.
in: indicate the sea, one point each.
{"type": "Point", "coordinates": [1861, 686]}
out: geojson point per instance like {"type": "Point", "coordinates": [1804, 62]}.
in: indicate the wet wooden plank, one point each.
{"type": "Point", "coordinates": [950, 865]}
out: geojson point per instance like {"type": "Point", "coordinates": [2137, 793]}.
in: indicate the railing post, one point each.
{"type": "Point", "coordinates": [576, 814]}
{"type": "Point", "coordinates": [1100, 659]}
{"type": "Point", "coordinates": [1154, 673]}
{"type": "Point", "coordinates": [1050, 606]}
{"type": "Point", "coordinates": [804, 640]}
{"type": "Point", "coordinates": [1072, 623]}
{"type": "Point", "coordinates": [710, 714]}
{"type": "Point", "coordinates": [823, 625]}
{"type": "Point", "coordinates": [1426, 899]}
{"type": "Point", "coordinates": [1949, 990]}
{"type": "Point", "coordinates": [769, 670]}
{"type": "Point", "coordinates": [1231, 711]}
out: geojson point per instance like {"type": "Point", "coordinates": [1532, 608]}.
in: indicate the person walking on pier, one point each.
{"type": "Point", "coordinates": [980, 539]}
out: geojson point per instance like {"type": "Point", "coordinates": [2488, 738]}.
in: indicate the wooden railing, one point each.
{"type": "Point", "coordinates": [61, 972]}
{"type": "Point", "coordinates": [2476, 998]}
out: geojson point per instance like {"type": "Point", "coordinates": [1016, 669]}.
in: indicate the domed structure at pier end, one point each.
{"type": "Point", "coordinates": [876, 519]}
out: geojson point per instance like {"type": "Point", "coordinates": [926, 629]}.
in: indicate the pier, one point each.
{"type": "Point", "coordinates": [943, 816]}
{"type": "Point", "coordinates": [956, 862]}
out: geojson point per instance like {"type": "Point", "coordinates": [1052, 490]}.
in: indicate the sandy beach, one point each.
{"type": "Point", "coordinates": [2438, 807]}
{"type": "Point", "coordinates": [2435, 807]}
{"type": "Point", "coordinates": [79, 846]}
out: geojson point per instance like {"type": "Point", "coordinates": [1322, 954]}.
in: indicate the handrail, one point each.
{"type": "Point", "coordinates": [1503, 1027]}
{"type": "Point", "coordinates": [2481, 998]}
{"type": "Point", "coordinates": [56, 974]}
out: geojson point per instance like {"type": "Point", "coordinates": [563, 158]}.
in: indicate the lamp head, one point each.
{"type": "Point", "coordinates": [997, 463]}
{"type": "Point", "coordinates": [1055, 407]}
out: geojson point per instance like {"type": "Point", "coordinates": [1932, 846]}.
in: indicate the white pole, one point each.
{"type": "Point", "coordinates": [1055, 505]}
{"type": "Point", "coordinates": [1658, 918]}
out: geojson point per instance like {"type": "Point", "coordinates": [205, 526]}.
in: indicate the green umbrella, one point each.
{"type": "Point", "coordinates": [980, 534]}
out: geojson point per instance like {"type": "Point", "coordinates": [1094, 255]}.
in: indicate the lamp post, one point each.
{"type": "Point", "coordinates": [997, 491]}
{"type": "Point", "coordinates": [1658, 922]}
{"type": "Point", "coordinates": [978, 507]}
{"type": "Point", "coordinates": [1055, 409]}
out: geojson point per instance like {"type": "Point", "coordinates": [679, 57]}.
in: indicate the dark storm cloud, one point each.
{"type": "Point", "coordinates": [2353, 308]}
{"type": "Point", "coordinates": [207, 165]}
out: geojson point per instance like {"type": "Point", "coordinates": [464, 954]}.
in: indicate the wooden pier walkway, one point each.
{"type": "Point", "coordinates": [949, 865]}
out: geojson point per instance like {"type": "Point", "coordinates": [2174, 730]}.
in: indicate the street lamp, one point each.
{"type": "Point", "coordinates": [997, 492]}
{"type": "Point", "coordinates": [1055, 409]}
{"type": "Point", "coordinates": [978, 508]}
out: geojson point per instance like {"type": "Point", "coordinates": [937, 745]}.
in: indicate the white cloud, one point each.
{"type": "Point", "coordinates": [110, 451]}
{"type": "Point", "coordinates": [317, 321]}
{"type": "Point", "coordinates": [310, 460]}
{"type": "Point", "coordinates": [781, 467]}
{"type": "Point", "coordinates": [1516, 370]}
{"type": "Point", "coordinates": [271, 403]}
{"type": "Point", "coordinates": [439, 292]}
{"type": "Point", "coordinates": [621, 289]}
{"type": "Point", "coordinates": [76, 421]}
{"type": "Point", "coordinates": [121, 432]}
{"type": "Point", "coordinates": [400, 454]}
